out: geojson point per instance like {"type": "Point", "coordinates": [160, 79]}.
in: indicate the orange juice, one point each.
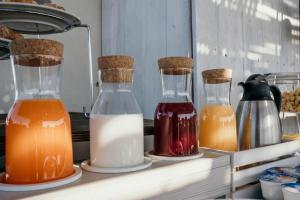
{"type": "Point", "coordinates": [218, 127]}
{"type": "Point", "coordinates": [38, 142]}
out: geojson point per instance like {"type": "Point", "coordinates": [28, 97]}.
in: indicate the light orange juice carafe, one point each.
{"type": "Point", "coordinates": [38, 131]}
{"type": "Point", "coordinates": [217, 117]}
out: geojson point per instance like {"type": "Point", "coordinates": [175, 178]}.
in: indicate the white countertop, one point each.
{"type": "Point", "coordinates": [202, 178]}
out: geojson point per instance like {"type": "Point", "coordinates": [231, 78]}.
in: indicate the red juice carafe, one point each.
{"type": "Point", "coordinates": [175, 120]}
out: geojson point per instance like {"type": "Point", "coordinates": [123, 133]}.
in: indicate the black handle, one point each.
{"type": "Point", "coordinates": [241, 84]}
{"type": "Point", "coordinates": [277, 96]}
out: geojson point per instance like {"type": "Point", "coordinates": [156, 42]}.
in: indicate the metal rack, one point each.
{"type": "Point", "coordinates": [39, 20]}
{"type": "Point", "coordinates": [287, 82]}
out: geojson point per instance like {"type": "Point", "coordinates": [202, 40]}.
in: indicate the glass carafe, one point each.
{"type": "Point", "coordinates": [217, 117]}
{"type": "Point", "coordinates": [38, 131]}
{"type": "Point", "coordinates": [175, 120]}
{"type": "Point", "coordinates": [116, 120]}
{"type": "Point", "coordinates": [289, 85]}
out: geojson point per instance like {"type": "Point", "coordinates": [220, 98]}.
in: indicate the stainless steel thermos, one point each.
{"type": "Point", "coordinates": [258, 122]}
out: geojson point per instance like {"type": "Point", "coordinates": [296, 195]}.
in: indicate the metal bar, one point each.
{"type": "Point", "coordinates": [31, 12]}
{"type": "Point", "coordinates": [90, 66]}
{"type": "Point", "coordinates": [40, 71]}
{"type": "Point", "coordinates": [298, 125]}
{"type": "Point", "coordinates": [70, 25]}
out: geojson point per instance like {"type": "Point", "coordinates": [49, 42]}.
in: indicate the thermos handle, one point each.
{"type": "Point", "coordinates": [277, 96]}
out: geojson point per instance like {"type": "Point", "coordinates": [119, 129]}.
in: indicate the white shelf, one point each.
{"type": "Point", "coordinates": [206, 177]}
{"type": "Point", "coordinates": [247, 165]}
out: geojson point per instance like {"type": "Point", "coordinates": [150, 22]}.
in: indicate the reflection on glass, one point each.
{"type": "Point", "coordinates": [176, 124]}
{"type": "Point", "coordinates": [38, 142]}
{"type": "Point", "coordinates": [218, 127]}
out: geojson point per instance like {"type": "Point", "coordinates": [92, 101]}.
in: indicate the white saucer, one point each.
{"type": "Point", "coordinates": [174, 158]}
{"type": "Point", "coordinates": [40, 186]}
{"type": "Point", "coordinates": [86, 166]}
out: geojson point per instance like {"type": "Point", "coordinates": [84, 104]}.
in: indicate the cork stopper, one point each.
{"type": "Point", "coordinates": [176, 65]}
{"type": "Point", "coordinates": [37, 52]}
{"type": "Point", "coordinates": [215, 76]}
{"type": "Point", "coordinates": [116, 69]}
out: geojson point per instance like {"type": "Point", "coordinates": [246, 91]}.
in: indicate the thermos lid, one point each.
{"type": "Point", "coordinates": [256, 88]}
{"type": "Point", "coordinates": [255, 91]}
{"type": "Point", "coordinates": [176, 65]}
{"type": "Point", "coordinates": [37, 52]}
{"type": "Point", "coordinates": [116, 68]}
{"type": "Point", "coordinates": [215, 76]}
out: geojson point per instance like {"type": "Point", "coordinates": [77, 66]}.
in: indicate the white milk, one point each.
{"type": "Point", "coordinates": [116, 140]}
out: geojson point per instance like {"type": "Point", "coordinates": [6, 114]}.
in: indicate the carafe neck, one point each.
{"type": "Point", "coordinates": [36, 82]}
{"type": "Point", "coordinates": [217, 93]}
{"type": "Point", "coordinates": [116, 87]}
{"type": "Point", "coordinates": [176, 88]}
{"type": "Point", "coordinates": [36, 68]}
{"type": "Point", "coordinates": [116, 99]}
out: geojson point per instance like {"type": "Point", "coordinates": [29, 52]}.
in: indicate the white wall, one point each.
{"type": "Point", "coordinates": [75, 81]}
{"type": "Point", "coordinates": [248, 36]}
{"type": "Point", "coordinates": [147, 30]}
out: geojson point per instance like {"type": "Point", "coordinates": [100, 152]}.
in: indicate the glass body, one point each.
{"type": "Point", "coordinates": [175, 120]}
{"type": "Point", "coordinates": [217, 117]}
{"type": "Point", "coordinates": [116, 126]}
{"type": "Point", "coordinates": [38, 131]}
{"type": "Point", "coordinates": [289, 85]}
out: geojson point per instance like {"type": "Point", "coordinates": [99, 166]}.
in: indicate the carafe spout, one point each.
{"type": "Point", "coordinates": [242, 84]}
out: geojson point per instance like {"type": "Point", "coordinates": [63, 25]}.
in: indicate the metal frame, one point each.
{"type": "Point", "coordinates": [48, 15]}
{"type": "Point", "coordinates": [87, 27]}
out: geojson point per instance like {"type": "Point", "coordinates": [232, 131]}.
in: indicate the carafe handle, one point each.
{"type": "Point", "coordinates": [277, 96]}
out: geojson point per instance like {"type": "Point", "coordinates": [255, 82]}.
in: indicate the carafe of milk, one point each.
{"type": "Point", "coordinates": [116, 120]}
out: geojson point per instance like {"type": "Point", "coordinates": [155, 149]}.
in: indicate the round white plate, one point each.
{"type": "Point", "coordinates": [36, 19]}
{"type": "Point", "coordinates": [175, 158]}
{"type": "Point", "coordinates": [86, 166]}
{"type": "Point", "coordinates": [40, 186]}
{"type": "Point", "coordinates": [4, 51]}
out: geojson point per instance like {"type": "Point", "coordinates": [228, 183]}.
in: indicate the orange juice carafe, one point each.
{"type": "Point", "coordinates": [217, 117]}
{"type": "Point", "coordinates": [38, 132]}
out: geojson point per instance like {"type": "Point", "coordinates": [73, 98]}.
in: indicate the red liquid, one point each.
{"type": "Point", "coordinates": [175, 129]}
